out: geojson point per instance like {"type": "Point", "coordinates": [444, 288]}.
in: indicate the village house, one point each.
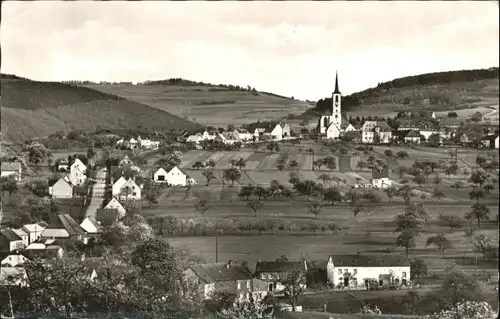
{"type": "Point", "coordinates": [148, 144]}
{"type": "Point", "coordinates": [285, 128]}
{"type": "Point", "coordinates": [62, 188]}
{"type": "Point", "coordinates": [490, 141]}
{"type": "Point", "coordinates": [10, 241]}
{"type": "Point", "coordinates": [23, 235]}
{"type": "Point", "coordinates": [353, 271]}
{"type": "Point", "coordinates": [271, 131]}
{"type": "Point", "coordinates": [449, 122]}
{"type": "Point", "coordinates": [62, 166]}
{"type": "Point", "coordinates": [115, 204]}
{"type": "Point", "coordinates": [175, 177]}
{"type": "Point", "coordinates": [129, 191]}
{"type": "Point", "coordinates": [354, 136]}
{"type": "Point", "coordinates": [228, 277]}
{"type": "Point", "coordinates": [125, 161]}
{"type": "Point", "coordinates": [13, 260]}
{"type": "Point", "coordinates": [13, 276]}
{"type": "Point", "coordinates": [347, 127]}
{"type": "Point", "coordinates": [90, 226]}
{"type": "Point", "coordinates": [329, 124]}
{"type": "Point", "coordinates": [378, 132]}
{"type": "Point", "coordinates": [225, 138]}
{"type": "Point", "coordinates": [242, 134]}
{"type": "Point", "coordinates": [381, 177]}
{"type": "Point", "coordinates": [411, 137]}
{"type": "Point", "coordinates": [77, 172]}
{"type": "Point", "coordinates": [408, 125]}
{"type": "Point", "coordinates": [64, 228]}
{"type": "Point", "coordinates": [43, 251]}
{"type": "Point", "coordinates": [272, 273]}
{"type": "Point", "coordinates": [117, 186]}
{"type": "Point", "coordinates": [34, 231]}
{"type": "Point", "coordinates": [11, 169]}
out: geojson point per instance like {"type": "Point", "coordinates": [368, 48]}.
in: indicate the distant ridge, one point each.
{"type": "Point", "coordinates": [34, 109]}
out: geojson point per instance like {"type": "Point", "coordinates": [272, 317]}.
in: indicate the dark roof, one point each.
{"type": "Point", "coordinates": [412, 133]}
{"type": "Point", "coordinates": [353, 134]}
{"type": "Point", "coordinates": [67, 222]}
{"type": "Point", "coordinates": [210, 273]}
{"type": "Point", "coordinates": [336, 91]}
{"type": "Point", "coordinates": [107, 216]}
{"type": "Point", "coordinates": [490, 137]}
{"type": "Point", "coordinates": [369, 260]}
{"type": "Point", "coordinates": [10, 166]}
{"type": "Point", "coordinates": [279, 266]}
{"type": "Point", "coordinates": [383, 126]}
{"type": "Point", "coordinates": [10, 235]}
{"type": "Point", "coordinates": [380, 173]}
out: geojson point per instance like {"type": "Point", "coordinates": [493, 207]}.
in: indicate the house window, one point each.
{"type": "Point", "coordinates": [355, 271]}
{"type": "Point", "coordinates": [404, 274]}
{"type": "Point", "coordinates": [248, 284]}
{"type": "Point", "coordinates": [239, 285]}
{"type": "Point", "coordinates": [271, 286]}
{"type": "Point", "coordinates": [133, 194]}
{"type": "Point", "coordinates": [340, 271]}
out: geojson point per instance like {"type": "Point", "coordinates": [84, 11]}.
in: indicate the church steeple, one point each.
{"type": "Point", "coordinates": [336, 84]}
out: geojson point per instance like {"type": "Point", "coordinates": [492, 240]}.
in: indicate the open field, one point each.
{"type": "Point", "coordinates": [208, 105]}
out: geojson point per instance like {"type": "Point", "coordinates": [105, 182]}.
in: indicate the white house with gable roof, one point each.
{"type": "Point", "coordinates": [117, 186]}
{"type": "Point", "coordinates": [130, 190]}
{"type": "Point", "coordinates": [77, 172]}
{"type": "Point", "coordinates": [351, 271]}
{"type": "Point", "coordinates": [174, 177]}
{"type": "Point", "coordinates": [115, 204]}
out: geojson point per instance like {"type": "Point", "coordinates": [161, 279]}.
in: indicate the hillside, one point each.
{"type": "Point", "coordinates": [33, 109]}
{"type": "Point", "coordinates": [443, 91]}
{"type": "Point", "coordinates": [205, 103]}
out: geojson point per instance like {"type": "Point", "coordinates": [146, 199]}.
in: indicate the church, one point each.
{"type": "Point", "coordinates": [330, 123]}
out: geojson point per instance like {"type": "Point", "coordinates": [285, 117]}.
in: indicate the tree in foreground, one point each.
{"type": "Point", "coordinates": [253, 307]}
{"type": "Point", "coordinates": [202, 206]}
{"type": "Point", "coordinates": [232, 175]}
{"type": "Point", "coordinates": [295, 285]}
{"type": "Point", "coordinates": [451, 221]}
{"type": "Point", "coordinates": [315, 209]}
{"type": "Point", "coordinates": [209, 175]}
{"type": "Point", "coordinates": [467, 310]}
{"type": "Point", "coordinates": [390, 192]}
{"type": "Point", "coordinates": [407, 240]}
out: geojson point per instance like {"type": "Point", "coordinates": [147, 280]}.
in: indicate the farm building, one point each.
{"type": "Point", "coordinates": [174, 177]}
{"type": "Point", "coordinates": [408, 125]}
{"type": "Point", "coordinates": [11, 169]}
{"type": "Point", "coordinates": [361, 270]}
{"type": "Point", "coordinates": [115, 204]}
{"type": "Point", "coordinates": [449, 122]}
{"type": "Point", "coordinates": [271, 272]}
{"type": "Point", "coordinates": [23, 235]}
{"type": "Point", "coordinates": [490, 141]}
{"type": "Point", "coordinates": [62, 188]}
{"type": "Point", "coordinates": [225, 138]}
{"type": "Point", "coordinates": [64, 227]}
{"type": "Point", "coordinates": [381, 178]}
{"type": "Point", "coordinates": [34, 231]}
{"type": "Point", "coordinates": [225, 277]}
{"type": "Point", "coordinates": [43, 251]}
{"type": "Point", "coordinates": [477, 117]}
{"type": "Point", "coordinates": [10, 241]}
{"type": "Point", "coordinates": [242, 134]}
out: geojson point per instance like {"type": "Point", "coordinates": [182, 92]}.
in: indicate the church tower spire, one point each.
{"type": "Point", "coordinates": [336, 83]}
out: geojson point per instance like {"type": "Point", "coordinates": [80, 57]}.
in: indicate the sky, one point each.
{"type": "Point", "coordinates": [288, 48]}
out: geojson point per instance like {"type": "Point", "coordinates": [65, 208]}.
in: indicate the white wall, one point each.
{"type": "Point", "coordinates": [117, 186]}
{"type": "Point", "coordinates": [363, 273]}
{"type": "Point", "coordinates": [382, 182]}
{"type": "Point", "coordinates": [176, 178]}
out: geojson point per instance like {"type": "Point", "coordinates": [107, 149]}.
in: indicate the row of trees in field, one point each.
{"type": "Point", "coordinates": [170, 226]}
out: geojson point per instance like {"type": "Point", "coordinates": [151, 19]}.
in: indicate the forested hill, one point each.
{"type": "Point", "coordinates": [443, 89]}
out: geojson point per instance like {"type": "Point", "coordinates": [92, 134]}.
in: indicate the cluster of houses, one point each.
{"type": "Point", "coordinates": [64, 187]}
{"type": "Point", "coordinates": [141, 143]}
{"type": "Point", "coordinates": [343, 272]}
{"type": "Point", "coordinates": [251, 133]}
{"type": "Point", "coordinates": [11, 169]}
{"type": "Point", "coordinates": [413, 128]}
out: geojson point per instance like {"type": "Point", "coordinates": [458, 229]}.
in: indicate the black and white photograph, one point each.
{"type": "Point", "coordinates": [249, 159]}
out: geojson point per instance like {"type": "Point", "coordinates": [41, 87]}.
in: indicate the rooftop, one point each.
{"type": "Point", "coordinates": [369, 261]}
{"type": "Point", "coordinates": [211, 273]}
{"type": "Point", "coordinates": [10, 166]}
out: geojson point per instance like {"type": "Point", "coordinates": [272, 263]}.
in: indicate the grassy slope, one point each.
{"type": "Point", "coordinates": [207, 104]}
{"type": "Point", "coordinates": [34, 109]}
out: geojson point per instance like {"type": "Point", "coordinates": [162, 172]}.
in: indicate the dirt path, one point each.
{"type": "Point", "coordinates": [97, 194]}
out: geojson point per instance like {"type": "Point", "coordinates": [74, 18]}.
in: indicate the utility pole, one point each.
{"type": "Point", "coordinates": [217, 247]}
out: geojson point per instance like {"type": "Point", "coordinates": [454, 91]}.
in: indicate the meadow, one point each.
{"type": "Point", "coordinates": [208, 105]}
